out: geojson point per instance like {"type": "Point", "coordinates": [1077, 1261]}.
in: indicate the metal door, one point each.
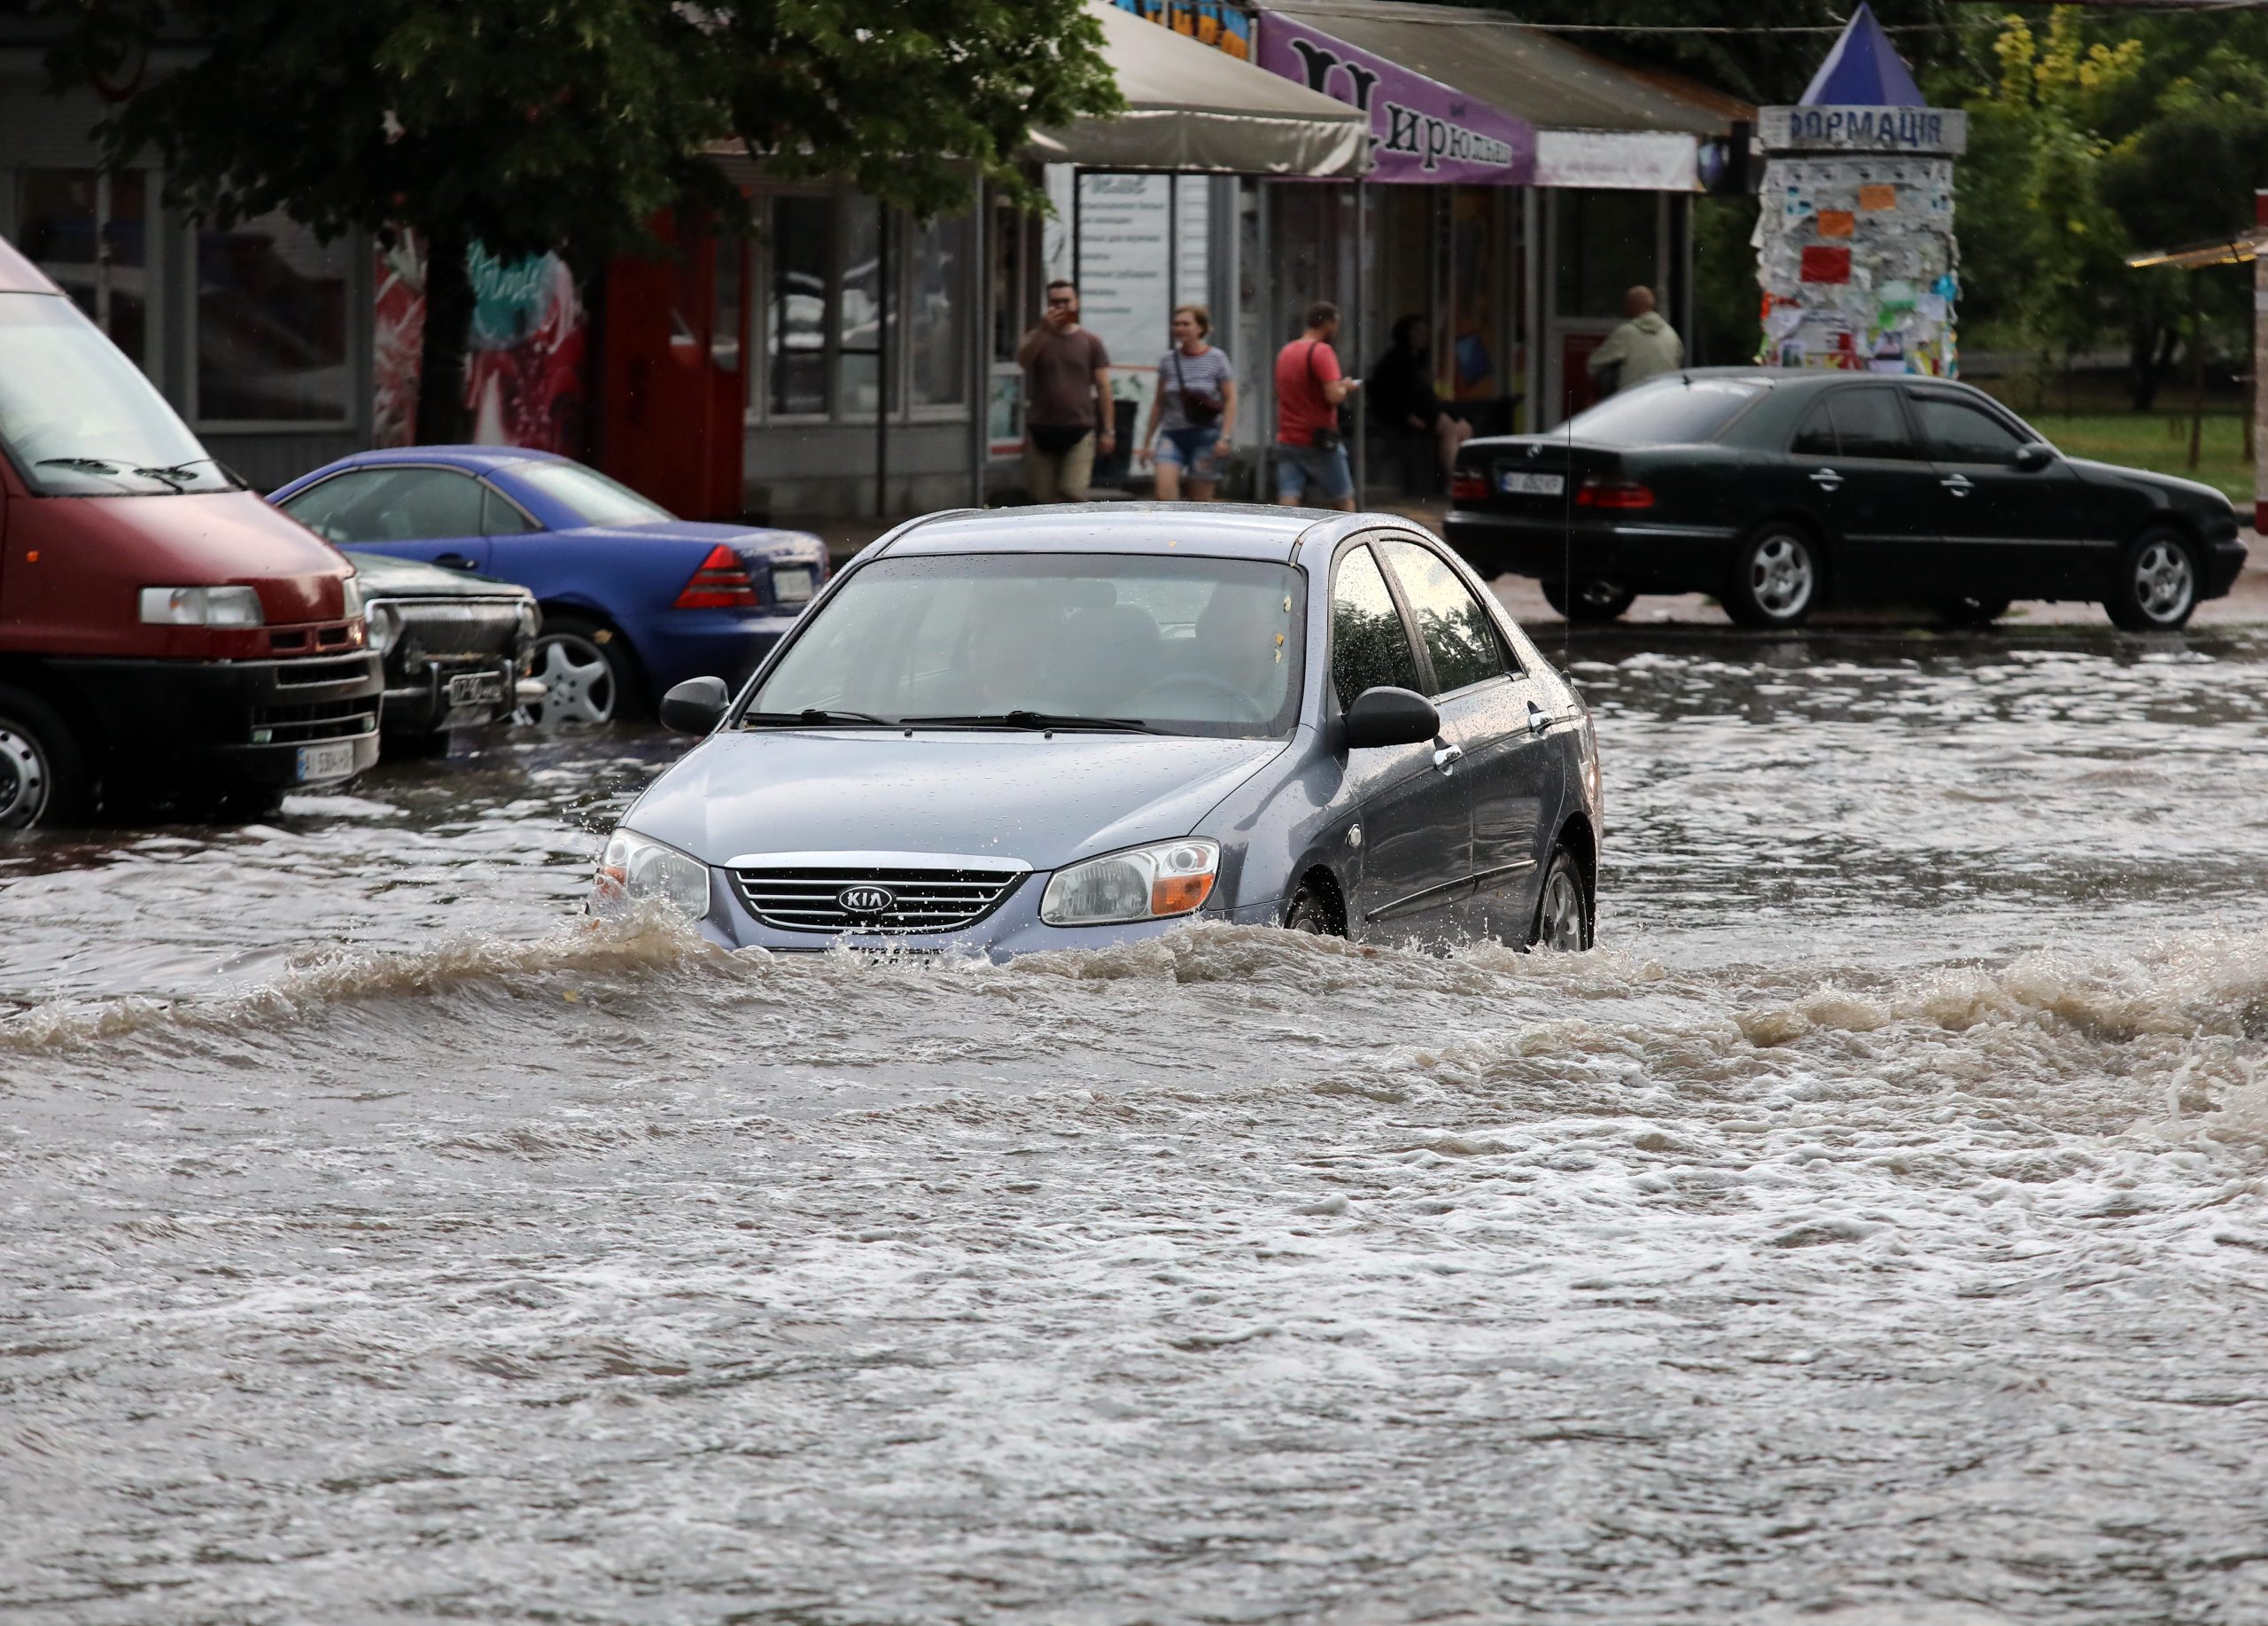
{"type": "Point", "coordinates": [1416, 847]}
{"type": "Point", "coordinates": [1494, 722]}
{"type": "Point", "coordinates": [1855, 464]}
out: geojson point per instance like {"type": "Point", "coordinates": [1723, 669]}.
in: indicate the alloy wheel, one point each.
{"type": "Point", "coordinates": [578, 682]}
{"type": "Point", "coordinates": [23, 778]}
{"type": "Point", "coordinates": [2164, 582]}
{"type": "Point", "coordinates": [1780, 576]}
{"type": "Point", "coordinates": [1560, 919]}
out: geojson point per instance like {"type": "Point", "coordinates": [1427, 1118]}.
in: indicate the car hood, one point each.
{"type": "Point", "coordinates": [382, 577]}
{"type": "Point", "coordinates": [2111, 473]}
{"type": "Point", "coordinates": [973, 793]}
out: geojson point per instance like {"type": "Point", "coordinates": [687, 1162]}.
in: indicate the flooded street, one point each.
{"type": "Point", "coordinates": [1872, 1230]}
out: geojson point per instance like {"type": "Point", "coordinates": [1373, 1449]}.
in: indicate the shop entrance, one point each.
{"type": "Point", "coordinates": [675, 336]}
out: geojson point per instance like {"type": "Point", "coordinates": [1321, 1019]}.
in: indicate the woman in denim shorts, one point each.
{"type": "Point", "coordinates": [1194, 409]}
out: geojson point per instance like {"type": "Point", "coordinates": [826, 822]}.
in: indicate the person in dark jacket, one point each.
{"type": "Point", "coordinates": [1403, 397]}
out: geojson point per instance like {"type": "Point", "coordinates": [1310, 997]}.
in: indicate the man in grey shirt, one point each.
{"type": "Point", "coordinates": [1066, 401]}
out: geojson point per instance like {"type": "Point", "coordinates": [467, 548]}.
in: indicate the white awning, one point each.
{"type": "Point", "coordinates": [1193, 110]}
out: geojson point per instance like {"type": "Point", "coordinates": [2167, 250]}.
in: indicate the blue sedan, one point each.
{"type": "Point", "coordinates": [634, 599]}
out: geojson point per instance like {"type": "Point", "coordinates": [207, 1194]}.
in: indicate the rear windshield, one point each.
{"type": "Point", "coordinates": [1667, 411]}
{"type": "Point", "coordinates": [1179, 645]}
{"type": "Point", "coordinates": [589, 495]}
{"type": "Point", "coordinates": [80, 419]}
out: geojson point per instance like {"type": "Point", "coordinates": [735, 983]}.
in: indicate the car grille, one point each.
{"type": "Point", "coordinates": [811, 898]}
{"type": "Point", "coordinates": [301, 673]}
{"type": "Point", "coordinates": [301, 725]}
{"type": "Point", "coordinates": [456, 626]}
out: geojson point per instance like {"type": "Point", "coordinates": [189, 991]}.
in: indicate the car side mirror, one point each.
{"type": "Point", "coordinates": [1387, 716]}
{"type": "Point", "coordinates": [696, 706]}
{"type": "Point", "coordinates": [2034, 454]}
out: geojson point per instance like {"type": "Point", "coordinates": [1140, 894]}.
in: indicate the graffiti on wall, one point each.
{"type": "Point", "coordinates": [524, 353]}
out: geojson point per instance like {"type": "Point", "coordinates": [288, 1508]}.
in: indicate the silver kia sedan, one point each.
{"type": "Point", "coordinates": [1065, 728]}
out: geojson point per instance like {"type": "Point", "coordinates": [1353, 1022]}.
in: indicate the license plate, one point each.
{"type": "Point", "coordinates": [476, 688]}
{"type": "Point", "coordinates": [333, 761]}
{"type": "Point", "coordinates": [1526, 485]}
{"type": "Point", "coordinates": [793, 585]}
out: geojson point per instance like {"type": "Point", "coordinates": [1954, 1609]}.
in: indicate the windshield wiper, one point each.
{"type": "Point", "coordinates": [169, 472]}
{"type": "Point", "coordinates": [1035, 719]}
{"type": "Point", "coordinates": [810, 715]}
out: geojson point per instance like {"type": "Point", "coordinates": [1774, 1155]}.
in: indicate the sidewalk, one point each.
{"type": "Point", "coordinates": [2246, 606]}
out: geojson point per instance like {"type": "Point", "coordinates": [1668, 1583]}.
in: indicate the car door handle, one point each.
{"type": "Point", "coordinates": [452, 561]}
{"type": "Point", "coordinates": [1537, 721]}
{"type": "Point", "coordinates": [1447, 758]}
{"type": "Point", "coordinates": [1826, 479]}
{"type": "Point", "coordinates": [1957, 484]}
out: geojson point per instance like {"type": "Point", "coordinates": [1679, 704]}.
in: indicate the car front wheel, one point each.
{"type": "Point", "coordinates": [1776, 579]}
{"type": "Point", "coordinates": [1311, 911]}
{"type": "Point", "coordinates": [1562, 913]}
{"type": "Point", "coordinates": [42, 778]}
{"type": "Point", "coordinates": [1588, 599]}
{"type": "Point", "coordinates": [2157, 583]}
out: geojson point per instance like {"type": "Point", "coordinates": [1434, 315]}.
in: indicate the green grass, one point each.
{"type": "Point", "coordinates": [2158, 441]}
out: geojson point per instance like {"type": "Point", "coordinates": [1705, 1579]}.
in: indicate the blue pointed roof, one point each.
{"type": "Point", "coordinates": [1863, 70]}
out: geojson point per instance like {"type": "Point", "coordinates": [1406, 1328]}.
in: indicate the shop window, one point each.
{"type": "Point", "coordinates": [802, 235]}
{"type": "Point", "coordinates": [831, 315]}
{"type": "Point", "coordinates": [89, 232]}
{"type": "Point", "coordinates": [1608, 244]}
{"type": "Point", "coordinates": [860, 311]}
{"type": "Point", "coordinates": [271, 324]}
{"type": "Point", "coordinates": [937, 323]}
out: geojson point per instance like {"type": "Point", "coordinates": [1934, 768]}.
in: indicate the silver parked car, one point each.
{"type": "Point", "coordinates": [1070, 727]}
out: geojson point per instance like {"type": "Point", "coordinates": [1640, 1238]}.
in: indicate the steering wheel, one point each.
{"type": "Point", "coordinates": [1246, 708]}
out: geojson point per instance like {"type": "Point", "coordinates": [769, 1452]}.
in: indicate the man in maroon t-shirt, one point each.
{"type": "Point", "coordinates": [1308, 389]}
{"type": "Point", "coordinates": [1066, 401]}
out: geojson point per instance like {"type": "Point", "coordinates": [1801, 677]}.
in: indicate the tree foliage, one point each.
{"type": "Point", "coordinates": [567, 124]}
{"type": "Point", "coordinates": [2101, 137]}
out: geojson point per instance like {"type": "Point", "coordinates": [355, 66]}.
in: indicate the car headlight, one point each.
{"type": "Point", "coordinates": [531, 620]}
{"type": "Point", "coordinates": [201, 607]}
{"type": "Point", "coordinates": [351, 591]}
{"type": "Point", "coordinates": [1141, 884]}
{"type": "Point", "coordinates": [385, 621]}
{"type": "Point", "coordinates": [637, 867]}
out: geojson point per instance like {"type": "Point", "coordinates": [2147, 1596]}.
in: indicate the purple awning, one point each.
{"type": "Point", "coordinates": [1421, 129]}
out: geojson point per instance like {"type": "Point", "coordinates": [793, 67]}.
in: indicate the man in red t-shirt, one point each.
{"type": "Point", "coordinates": [1308, 389]}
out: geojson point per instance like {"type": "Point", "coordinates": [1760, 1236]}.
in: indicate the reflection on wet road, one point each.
{"type": "Point", "coordinates": [1872, 1231]}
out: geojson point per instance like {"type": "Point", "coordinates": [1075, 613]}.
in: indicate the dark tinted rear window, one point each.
{"type": "Point", "coordinates": [1666, 412]}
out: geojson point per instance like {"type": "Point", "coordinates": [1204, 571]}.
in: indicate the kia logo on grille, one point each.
{"type": "Point", "coordinates": [865, 899]}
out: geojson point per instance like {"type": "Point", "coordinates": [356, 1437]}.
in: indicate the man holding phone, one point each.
{"type": "Point", "coordinates": [1310, 453]}
{"type": "Point", "coordinates": [1066, 401]}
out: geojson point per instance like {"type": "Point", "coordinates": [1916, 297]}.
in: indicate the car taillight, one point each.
{"type": "Point", "coordinates": [721, 583]}
{"type": "Point", "coordinates": [1596, 492]}
{"type": "Point", "coordinates": [1466, 487]}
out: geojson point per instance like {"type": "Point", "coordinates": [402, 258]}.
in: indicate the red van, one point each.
{"type": "Point", "coordinates": [164, 636]}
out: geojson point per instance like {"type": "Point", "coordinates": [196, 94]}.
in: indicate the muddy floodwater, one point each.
{"type": "Point", "coordinates": [1871, 1230]}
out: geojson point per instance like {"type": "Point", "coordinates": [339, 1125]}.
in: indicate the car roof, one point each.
{"type": "Point", "coordinates": [485, 458]}
{"type": "Point", "coordinates": [1210, 530]}
{"type": "Point", "coordinates": [1812, 377]}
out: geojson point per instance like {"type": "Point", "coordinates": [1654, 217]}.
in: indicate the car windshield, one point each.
{"type": "Point", "coordinates": [589, 495]}
{"type": "Point", "coordinates": [80, 420]}
{"type": "Point", "coordinates": [1178, 645]}
{"type": "Point", "coordinates": [1669, 411]}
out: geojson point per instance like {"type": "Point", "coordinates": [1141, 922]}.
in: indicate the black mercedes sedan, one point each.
{"type": "Point", "coordinates": [1780, 490]}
